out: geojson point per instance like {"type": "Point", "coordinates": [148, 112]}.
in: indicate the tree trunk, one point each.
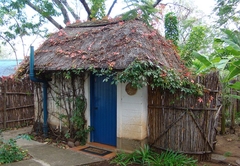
{"type": "Point", "coordinates": [76, 17]}
{"type": "Point", "coordinates": [110, 9]}
{"type": "Point", "coordinates": [85, 5]}
{"type": "Point", "coordinates": [156, 3]}
{"type": "Point", "coordinates": [232, 110]}
{"type": "Point", "coordinates": [63, 10]}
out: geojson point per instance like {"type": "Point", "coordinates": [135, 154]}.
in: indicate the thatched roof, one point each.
{"type": "Point", "coordinates": [105, 44]}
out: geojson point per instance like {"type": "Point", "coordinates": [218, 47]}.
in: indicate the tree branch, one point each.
{"type": "Point", "coordinates": [14, 50]}
{"type": "Point", "coordinates": [181, 6]}
{"type": "Point", "coordinates": [63, 10]}
{"type": "Point", "coordinates": [47, 17]}
{"type": "Point", "coordinates": [156, 3]}
{"type": "Point", "coordinates": [85, 5]}
{"type": "Point", "coordinates": [110, 9]}
{"type": "Point", "coordinates": [20, 35]}
{"type": "Point", "coordinates": [76, 17]}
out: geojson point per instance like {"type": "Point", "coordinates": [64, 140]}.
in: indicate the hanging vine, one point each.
{"type": "Point", "coordinates": [68, 95]}
{"type": "Point", "coordinates": [142, 73]}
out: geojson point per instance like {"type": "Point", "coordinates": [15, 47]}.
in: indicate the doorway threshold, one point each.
{"type": "Point", "coordinates": [98, 146]}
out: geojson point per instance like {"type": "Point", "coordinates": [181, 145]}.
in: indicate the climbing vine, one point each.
{"type": "Point", "coordinates": [78, 120]}
{"type": "Point", "coordinates": [66, 91]}
{"type": "Point", "coordinates": [142, 74]}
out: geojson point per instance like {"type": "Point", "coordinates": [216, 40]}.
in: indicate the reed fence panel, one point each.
{"type": "Point", "coordinates": [16, 103]}
{"type": "Point", "coordinates": [184, 124]}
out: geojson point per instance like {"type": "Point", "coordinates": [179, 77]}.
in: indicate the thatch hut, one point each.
{"type": "Point", "coordinates": [118, 113]}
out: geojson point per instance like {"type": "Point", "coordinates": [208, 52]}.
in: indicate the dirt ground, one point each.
{"type": "Point", "coordinates": [227, 150]}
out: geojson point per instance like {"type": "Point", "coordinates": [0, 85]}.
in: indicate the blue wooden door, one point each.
{"type": "Point", "coordinates": [103, 111]}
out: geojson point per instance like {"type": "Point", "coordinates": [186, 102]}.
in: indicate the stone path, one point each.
{"type": "Point", "coordinates": [47, 155]}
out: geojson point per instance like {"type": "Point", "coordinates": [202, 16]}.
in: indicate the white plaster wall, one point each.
{"type": "Point", "coordinates": [87, 95]}
{"type": "Point", "coordinates": [54, 110]}
{"type": "Point", "coordinates": [131, 113]}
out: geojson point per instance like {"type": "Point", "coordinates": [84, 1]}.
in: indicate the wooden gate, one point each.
{"type": "Point", "coordinates": [16, 103]}
{"type": "Point", "coordinates": [184, 124]}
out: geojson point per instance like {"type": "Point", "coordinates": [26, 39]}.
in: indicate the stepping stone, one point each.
{"type": "Point", "coordinates": [218, 157]}
{"type": "Point", "coordinates": [238, 161]}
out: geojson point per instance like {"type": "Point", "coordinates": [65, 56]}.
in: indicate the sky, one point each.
{"type": "Point", "coordinates": [7, 67]}
{"type": "Point", "coordinates": [204, 5]}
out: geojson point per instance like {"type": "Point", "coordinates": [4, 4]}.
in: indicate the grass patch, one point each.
{"type": "Point", "coordinates": [227, 154]}
{"type": "Point", "coordinates": [145, 156]}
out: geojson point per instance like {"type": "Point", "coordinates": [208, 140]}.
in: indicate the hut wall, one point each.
{"type": "Point", "coordinates": [131, 118]}
{"type": "Point", "coordinates": [61, 92]}
{"type": "Point", "coordinates": [131, 109]}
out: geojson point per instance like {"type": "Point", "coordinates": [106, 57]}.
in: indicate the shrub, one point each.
{"type": "Point", "coordinates": [10, 152]}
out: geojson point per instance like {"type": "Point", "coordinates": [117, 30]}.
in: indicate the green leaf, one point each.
{"type": "Point", "coordinates": [222, 64]}
{"type": "Point", "coordinates": [236, 64]}
{"type": "Point", "coordinates": [235, 96]}
{"type": "Point", "coordinates": [233, 73]}
{"type": "Point", "coordinates": [216, 60]}
{"type": "Point", "coordinates": [235, 86]}
{"type": "Point", "coordinates": [233, 51]}
{"type": "Point", "coordinates": [202, 58]}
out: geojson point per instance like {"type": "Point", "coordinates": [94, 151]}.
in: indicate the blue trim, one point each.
{"type": "Point", "coordinates": [44, 86]}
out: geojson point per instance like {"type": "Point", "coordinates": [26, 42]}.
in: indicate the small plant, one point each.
{"type": "Point", "coordinates": [10, 152]}
{"type": "Point", "coordinates": [142, 155]}
{"type": "Point", "coordinates": [122, 159]}
{"type": "Point", "coordinates": [227, 154]}
{"type": "Point", "coordinates": [78, 120]}
{"type": "Point", "coordinates": [237, 118]}
{"type": "Point", "coordinates": [67, 135]}
{"type": "Point", "coordinates": [145, 156]}
{"type": "Point", "coordinates": [172, 158]}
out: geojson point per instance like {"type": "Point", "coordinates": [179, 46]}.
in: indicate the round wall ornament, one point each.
{"type": "Point", "coordinates": [130, 89]}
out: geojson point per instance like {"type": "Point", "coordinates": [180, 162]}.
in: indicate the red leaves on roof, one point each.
{"type": "Point", "coordinates": [90, 46]}
{"type": "Point", "coordinates": [150, 35]}
{"type": "Point", "coordinates": [62, 33]}
{"type": "Point", "coordinates": [111, 64]}
{"type": "Point", "coordinates": [121, 23]}
{"type": "Point", "coordinates": [115, 53]}
{"type": "Point", "coordinates": [73, 54]}
{"type": "Point", "coordinates": [84, 57]}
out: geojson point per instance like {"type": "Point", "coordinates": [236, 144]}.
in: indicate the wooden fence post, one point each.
{"type": "Point", "coordinates": [4, 105]}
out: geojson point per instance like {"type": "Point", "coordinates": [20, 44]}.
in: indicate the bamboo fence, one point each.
{"type": "Point", "coordinates": [16, 103]}
{"type": "Point", "coordinates": [184, 124]}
